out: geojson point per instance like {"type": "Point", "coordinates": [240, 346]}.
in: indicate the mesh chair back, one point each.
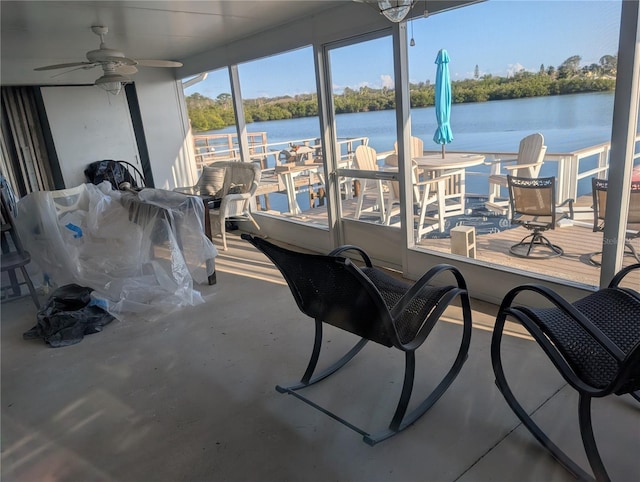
{"type": "Point", "coordinates": [599, 191]}
{"type": "Point", "coordinates": [532, 197]}
{"type": "Point", "coordinates": [331, 289]}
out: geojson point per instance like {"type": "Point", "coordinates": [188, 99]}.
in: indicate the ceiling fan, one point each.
{"type": "Point", "coordinates": [115, 66]}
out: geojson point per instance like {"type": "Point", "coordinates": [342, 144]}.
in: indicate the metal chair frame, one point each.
{"type": "Point", "coordinates": [588, 318]}
{"type": "Point", "coordinates": [599, 192]}
{"type": "Point", "coordinates": [537, 216]}
{"type": "Point", "coordinates": [359, 306]}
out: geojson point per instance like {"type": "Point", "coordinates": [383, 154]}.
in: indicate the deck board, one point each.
{"type": "Point", "coordinates": [577, 241]}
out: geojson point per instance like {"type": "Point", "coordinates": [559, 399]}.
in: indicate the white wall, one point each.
{"type": "Point", "coordinates": [88, 125]}
{"type": "Point", "coordinates": [169, 143]}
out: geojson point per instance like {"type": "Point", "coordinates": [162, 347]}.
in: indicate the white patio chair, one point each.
{"type": "Point", "coordinates": [366, 159]}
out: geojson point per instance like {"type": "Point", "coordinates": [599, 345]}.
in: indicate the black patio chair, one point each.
{"type": "Point", "coordinates": [595, 345]}
{"type": "Point", "coordinates": [375, 306]}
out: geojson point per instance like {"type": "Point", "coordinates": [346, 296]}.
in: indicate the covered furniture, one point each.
{"type": "Point", "coordinates": [594, 343]}
{"type": "Point", "coordinates": [599, 191]}
{"type": "Point", "coordinates": [14, 256]}
{"type": "Point", "coordinates": [533, 205]}
{"type": "Point", "coordinates": [376, 307]}
{"type": "Point", "coordinates": [227, 189]}
{"type": "Point", "coordinates": [530, 158]}
{"type": "Point", "coordinates": [141, 251]}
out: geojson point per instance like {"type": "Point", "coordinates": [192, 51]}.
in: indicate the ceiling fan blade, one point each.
{"type": "Point", "coordinates": [159, 63]}
{"type": "Point", "coordinates": [126, 69]}
{"type": "Point", "coordinates": [116, 60]}
{"type": "Point", "coordinates": [66, 66]}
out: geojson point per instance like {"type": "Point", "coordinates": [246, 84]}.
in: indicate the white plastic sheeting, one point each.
{"type": "Point", "coordinates": [141, 252]}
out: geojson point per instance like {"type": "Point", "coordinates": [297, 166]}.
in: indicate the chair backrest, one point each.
{"type": "Point", "coordinates": [239, 177]}
{"type": "Point", "coordinates": [417, 147]}
{"type": "Point", "coordinates": [366, 158]}
{"type": "Point", "coordinates": [330, 289]}
{"type": "Point", "coordinates": [531, 151]}
{"type": "Point", "coordinates": [599, 192]}
{"type": "Point", "coordinates": [211, 180]}
{"type": "Point", "coordinates": [533, 197]}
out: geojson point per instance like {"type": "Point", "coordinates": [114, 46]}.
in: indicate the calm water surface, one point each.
{"type": "Point", "coordinates": [568, 123]}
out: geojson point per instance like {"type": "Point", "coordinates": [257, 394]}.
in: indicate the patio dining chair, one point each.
{"type": "Point", "coordinates": [599, 191]}
{"type": "Point", "coordinates": [595, 345]}
{"type": "Point", "coordinates": [376, 307]}
{"type": "Point", "coordinates": [533, 205]}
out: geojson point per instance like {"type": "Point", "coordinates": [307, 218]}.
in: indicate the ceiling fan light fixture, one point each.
{"type": "Point", "coordinates": [112, 82]}
{"type": "Point", "coordinates": [395, 10]}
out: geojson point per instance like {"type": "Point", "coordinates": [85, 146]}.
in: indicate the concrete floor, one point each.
{"type": "Point", "coordinates": [190, 397]}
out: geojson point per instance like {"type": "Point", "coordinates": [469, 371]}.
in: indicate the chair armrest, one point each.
{"type": "Point", "coordinates": [563, 305]}
{"type": "Point", "coordinates": [186, 190]}
{"type": "Point", "coordinates": [570, 203]}
{"type": "Point", "coordinates": [521, 166]}
{"type": "Point", "coordinates": [499, 161]}
{"type": "Point", "coordinates": [621, 274]}
{"type": "Point", "coordinates": [347, 247]}
{"type": "Point", "coordinates": [434, 311]}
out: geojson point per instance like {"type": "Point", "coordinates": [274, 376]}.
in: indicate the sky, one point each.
{"type": "Point", "coordinates": [499, 36]}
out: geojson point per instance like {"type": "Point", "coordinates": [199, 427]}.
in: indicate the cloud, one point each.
{"type": "Point", "coordinates": [387, 81]}
{"type": "Point", "coordinates": [514, 68]}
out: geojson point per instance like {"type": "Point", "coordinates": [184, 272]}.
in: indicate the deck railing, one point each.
{"type": "Point", "coordinates": [569, 168]}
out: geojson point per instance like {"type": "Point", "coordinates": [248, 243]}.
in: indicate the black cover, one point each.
{"type": "Point", "coordinates": [68, 316]}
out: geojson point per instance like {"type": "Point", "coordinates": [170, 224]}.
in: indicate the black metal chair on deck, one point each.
{"type": "Point", "coordinates": [375, 306]}
{"type": "Point", "coordinates": [533, 205]}
{"type": "Point", "coordinates": [595, 345]}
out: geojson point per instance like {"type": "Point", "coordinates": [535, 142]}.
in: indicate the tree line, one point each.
{"type": "Point", "coordinates": [568, 78]}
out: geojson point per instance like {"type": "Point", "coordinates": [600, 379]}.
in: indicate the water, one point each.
{"type": "Point", "coordinates": [568, 123]}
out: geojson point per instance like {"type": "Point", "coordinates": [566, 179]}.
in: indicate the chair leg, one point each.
{"type": "Point", "coordinates": [32, 290]}
{"type": "Point", "coordinates": [524, 417]}
{"type": "Point", "coordinates": [536, 239]}
{"type": "Point", "coordinates": [589, 441]}
{"type": "Point", "coordinates": [223, 231]}
{"type": "Point", "coordinates": [400, 421]}
{"type": "Point", "coordinates": [308, 378]}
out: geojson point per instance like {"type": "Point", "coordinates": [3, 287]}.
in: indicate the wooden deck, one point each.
{"type": "Point", "coordinates": [577, 241]}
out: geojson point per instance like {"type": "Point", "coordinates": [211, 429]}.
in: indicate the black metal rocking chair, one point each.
{"type": "Point", "coordinates": [375, 306]}
{"type": "Point", "coordinates": [595, 345]}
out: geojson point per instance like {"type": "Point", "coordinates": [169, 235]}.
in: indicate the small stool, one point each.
{"type": "Point", "coordinates": [463, 241]}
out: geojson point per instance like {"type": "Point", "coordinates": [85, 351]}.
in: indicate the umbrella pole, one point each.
{"type": "Point", "coordinates": [443, 151]}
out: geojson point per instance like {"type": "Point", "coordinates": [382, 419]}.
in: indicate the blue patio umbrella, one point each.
{"type": "Point", "coordinates": [443, 133]}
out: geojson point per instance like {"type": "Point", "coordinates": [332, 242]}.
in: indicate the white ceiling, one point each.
{"type": "Point", "coordinates": [60, 31]}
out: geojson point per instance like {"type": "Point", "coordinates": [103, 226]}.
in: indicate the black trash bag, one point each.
{"type": "Point", "coordinates": [109, 170]}
{"type": "Point", "coordinates": [67, 316]}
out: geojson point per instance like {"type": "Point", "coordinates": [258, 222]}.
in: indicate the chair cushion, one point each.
{"type": "Point", "coordinates": [212, 180]}
{"type": "Point", "coordinates": [616, 312]}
